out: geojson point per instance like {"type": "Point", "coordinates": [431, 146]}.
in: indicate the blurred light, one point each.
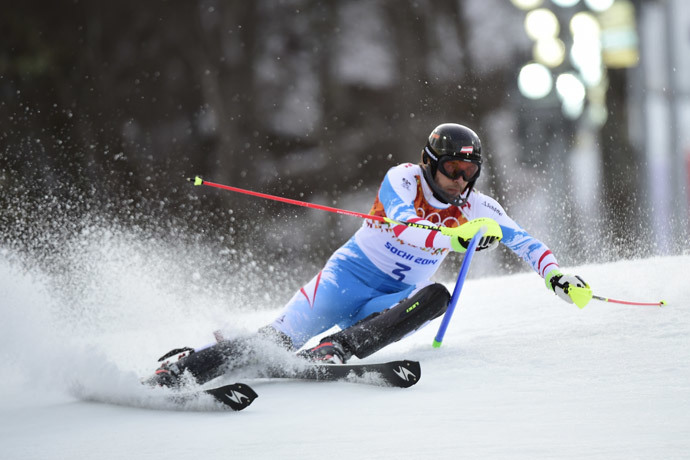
{"type": "Point", "coordinates": [599, 5]}
{"type": "Point", "coordinates": [596, 104]}
{"type": "Point", "coordinates": [572, 110]}
{"type": "Point", "coordinates": [598, 114]}
{"type": "Point", "coordinates": [572, 93]}
{"type": "Point", "coordinates": [585, 53]}
{"type": "Point", "coordinates": [588, 62]}
{"type": "Point", "coordinates": [585, 25]}
{"type": "Point", "coordinates": [541, 23]}
{"type": "Point", "coordinates": [565, 3]}
{"type": "Point", "coordinates": [549, 51]}
{"type": "Point", "coordinates": [619, 39]}
{"type": "Point", "coordinates": [570, 87]}
{"type": "Point", "coordinates": [527, 4]}
{"type": "Point", "coordinates": [535, 81]}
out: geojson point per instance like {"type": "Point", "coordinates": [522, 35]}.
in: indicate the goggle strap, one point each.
{"type": "Point", "coordinates": [428, 152]}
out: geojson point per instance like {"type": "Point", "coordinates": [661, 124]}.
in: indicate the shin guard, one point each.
{"type": "Point", "coordinates": [380, 329]}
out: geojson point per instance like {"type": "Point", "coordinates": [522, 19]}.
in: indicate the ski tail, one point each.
{"type": "Point", "coordinates": [408, 373]}
{"type": "Point", "coordinates": [236, 396]}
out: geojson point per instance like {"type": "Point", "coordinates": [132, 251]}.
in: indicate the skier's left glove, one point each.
{"type": "Point", "coordinates": [571, 288]}
{"type": "Point", "coordinates": [461, 236]}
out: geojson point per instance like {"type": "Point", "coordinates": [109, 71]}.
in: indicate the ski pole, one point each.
{"type": "Point", "coordinates": [626, 302]}
{"type": "Point", "coordinates": [199, 181]}
{"type": "Point", "coordinates": [458, 287]}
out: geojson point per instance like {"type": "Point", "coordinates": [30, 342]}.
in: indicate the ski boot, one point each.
{"type": "Point", "coordinates": [168, 375]}
{"type": "Point", "coordinates": [327, 352]}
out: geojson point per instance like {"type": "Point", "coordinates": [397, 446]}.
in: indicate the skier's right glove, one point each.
{"type": "Point", "coordinates": [461, 236]}
{"type": "Point", "coordinates": [570, 288]}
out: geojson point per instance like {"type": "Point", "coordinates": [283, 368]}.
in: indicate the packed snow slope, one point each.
{"type": "Point", "coordinates": [521, 374]}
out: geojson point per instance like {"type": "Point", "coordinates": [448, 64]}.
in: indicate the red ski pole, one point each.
{"type": "Point", "coordinates": [199, 181]}
{"type": "Point", "coordinates": [626, 302]}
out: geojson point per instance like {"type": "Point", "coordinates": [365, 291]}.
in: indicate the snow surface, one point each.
{"type": "Point", "coordinates": [521, 374]}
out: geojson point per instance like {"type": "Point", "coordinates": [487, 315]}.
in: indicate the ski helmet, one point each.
{"type": "Point", "coordinates": [447, 150]}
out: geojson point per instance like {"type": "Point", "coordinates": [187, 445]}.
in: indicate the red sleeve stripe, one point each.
{"type": "Point", "coordinates": [429, 243]}
{"type": "Point", "coordinates": [543, 274]}
{"type": "Point", "coordinates": [543, 256]}
{"type": "Point", "coordinates": [398, 229]}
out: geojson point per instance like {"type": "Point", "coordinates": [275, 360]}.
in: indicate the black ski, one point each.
{"type": "Point", "coordinates": [402, 374]}
{"type": "Point", "coordinates": [236, 396]}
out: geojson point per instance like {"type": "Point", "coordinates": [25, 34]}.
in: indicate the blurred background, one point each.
{"type": "Point", "coordinates": [583, 108]}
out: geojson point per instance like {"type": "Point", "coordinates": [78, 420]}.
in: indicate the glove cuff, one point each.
{"type": "Point", "coordinates": [456, 245]}
{"type": "Point", "coordinates": [549, 276]}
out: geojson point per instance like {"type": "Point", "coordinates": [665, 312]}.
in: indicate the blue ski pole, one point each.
{"type": "Point", "coordinates": [458, 286]}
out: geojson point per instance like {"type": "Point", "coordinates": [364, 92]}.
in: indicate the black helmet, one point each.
{"type": "Point", "coordinates": [451, 141]}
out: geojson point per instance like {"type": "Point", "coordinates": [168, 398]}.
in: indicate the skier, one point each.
{"type": "Point", "coordinates": [377, 287]}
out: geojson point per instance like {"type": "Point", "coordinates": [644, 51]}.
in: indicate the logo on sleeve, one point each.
{"type": "Point", "coordinates": [493, 208]}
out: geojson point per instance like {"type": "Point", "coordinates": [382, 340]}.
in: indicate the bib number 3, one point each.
{"type": "Point", "coordinates": [399, 272]}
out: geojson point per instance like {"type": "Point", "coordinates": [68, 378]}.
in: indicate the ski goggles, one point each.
{"type": "Point", "coordinates": [455, 168]}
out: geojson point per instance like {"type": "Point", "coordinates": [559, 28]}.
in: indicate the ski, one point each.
{"type": "Point", "coordinates": [402, 374]}
{"type": "Point", "coordinates": [236, 396]}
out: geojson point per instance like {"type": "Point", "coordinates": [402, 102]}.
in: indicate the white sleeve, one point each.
{"type": "Point", "coordinates": [530, 249]}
